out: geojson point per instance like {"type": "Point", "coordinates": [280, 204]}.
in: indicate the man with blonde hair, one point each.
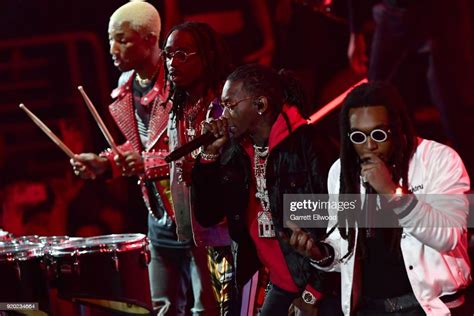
{"type": "Point", "coordinates": [141, 112]}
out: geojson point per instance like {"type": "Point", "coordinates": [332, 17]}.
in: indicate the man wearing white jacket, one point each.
{"type": "Point", "coordinates": [419, 265]}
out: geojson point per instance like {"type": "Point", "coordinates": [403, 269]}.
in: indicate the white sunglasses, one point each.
{"type": "Point", "coordinates": [378, 135]}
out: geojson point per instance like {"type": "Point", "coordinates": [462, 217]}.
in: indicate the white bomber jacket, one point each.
{"type": "Point", "coordinates": [435, 255]}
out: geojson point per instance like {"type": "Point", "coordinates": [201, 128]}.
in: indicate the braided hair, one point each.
{"type": "Point", "coordinates": [279, 87]}
{"type": "Point", "coordinates": [403, 138]}
{"type": "Point", "coordinates": [214, 57]}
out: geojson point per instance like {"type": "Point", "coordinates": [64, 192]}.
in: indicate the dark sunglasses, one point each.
{"type": "Point", "coordinates": [179, 55]}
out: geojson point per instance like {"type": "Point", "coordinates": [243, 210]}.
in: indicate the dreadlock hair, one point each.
{"type": "Point", "coordinates": [214, 57]}
{"type": "Point", "coordinates": [278, 87]}
{"type": "Point", "coordinates": [403, 139]}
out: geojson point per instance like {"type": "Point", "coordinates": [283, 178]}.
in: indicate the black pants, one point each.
{"type": "Point", "coordinates": [277, 302]}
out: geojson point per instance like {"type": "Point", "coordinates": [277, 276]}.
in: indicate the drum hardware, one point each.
{"type": "Point", "coordinates": [17, 269]}
{"type": "Point", "coordinates": [115, 259]}
{"type": "Point", "coordinates": [76, 268]}
{"type": "Point", "coordinates": [52, 269]}
{"type": "Point", "coordinates": [145, 257]}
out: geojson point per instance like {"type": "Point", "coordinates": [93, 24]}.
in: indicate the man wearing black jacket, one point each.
{"type": "Point", "coordinates": [264, 149]}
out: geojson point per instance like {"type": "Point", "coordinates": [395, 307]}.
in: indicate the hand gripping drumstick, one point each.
{"type": "Point", "coordinates": [47, 131]}
{"type": "Point", "coordinates": [99, 121]}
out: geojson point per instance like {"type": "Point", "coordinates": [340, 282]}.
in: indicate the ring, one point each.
{"type": "Point", "coordinates": [364, 179]}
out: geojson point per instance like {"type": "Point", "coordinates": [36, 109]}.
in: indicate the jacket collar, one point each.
{"type": "Point", "coordinates": [286, 123]}
{"type": "Point", "coordinates": [122, 110]}
{"type": "Point", "coordinates": [157, 90]}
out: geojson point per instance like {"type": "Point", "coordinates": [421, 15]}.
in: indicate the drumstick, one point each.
{"type": "Point", "coordinates": [47, 131]}
{"type": "Point", "coordinates": [99, 121]}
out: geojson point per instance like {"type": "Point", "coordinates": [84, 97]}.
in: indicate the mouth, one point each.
{"type": "Point", "coordinates": [117, 61]}
{"type": "Point", "coordinates": [366, 159]}
{"type": "Point", "coordinates": [173, 75]}
{"type": "Point", "coordinates": [232, 130]}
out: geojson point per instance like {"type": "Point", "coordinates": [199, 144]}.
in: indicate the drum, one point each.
{"type": "Point", "coordinates": [28, 239]}
{"type": "Point", "coordinates": [4, 235]}
{"type": "Point", "coordinates": [56, 240]}
{"type": "Point", "coordinates": [23, 276]}
{"type": "Point", "coordinates": [109, 271]}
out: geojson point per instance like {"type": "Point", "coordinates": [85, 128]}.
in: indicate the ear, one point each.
{"type": "Point", "coordinates": [151, 38]}
{"type": "Point", "coordinates": [261, 103]}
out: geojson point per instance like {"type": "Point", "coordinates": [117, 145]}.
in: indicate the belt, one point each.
{"type": "Point", "coordinates": [402, 303]}
{"type": "Point", "coordinates": [392, 304]}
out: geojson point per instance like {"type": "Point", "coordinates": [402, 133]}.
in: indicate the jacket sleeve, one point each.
{"type": "Point", "coordinates": [109, 154]}
{"type": "Point", "coordinates": [334, 239]}
{"type": "Point", "coordinates": [439, 217]}
{"type": "Point", "coordinates": [209, 208]}
{"type": "Point", "coordinates": [319, 154]}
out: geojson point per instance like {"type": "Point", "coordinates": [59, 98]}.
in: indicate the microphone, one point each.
{"type": "Point", "coordinates": [204, 139]}
{"type": "Point", "coordinates": [370, 205]}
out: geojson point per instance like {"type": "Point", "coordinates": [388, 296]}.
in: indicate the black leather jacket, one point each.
{"type": "Point", "coordinates": [222, 189]}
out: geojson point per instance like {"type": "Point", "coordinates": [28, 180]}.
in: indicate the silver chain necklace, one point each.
{"type": "Point", "coordinates": [266, 229]}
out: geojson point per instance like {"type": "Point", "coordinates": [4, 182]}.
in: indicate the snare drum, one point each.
{"type": "Point", "coordinates": [4, 235]}
{"type": "Point", "coordinates": [108, 271]}
{"type": "Point", "coordinates": [23, 275]}
{"type": "Point", "coordinates": [28, 239]}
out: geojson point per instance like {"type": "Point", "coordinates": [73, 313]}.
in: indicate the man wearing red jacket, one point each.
{"type": "Point", "coordinates": [141, 112]}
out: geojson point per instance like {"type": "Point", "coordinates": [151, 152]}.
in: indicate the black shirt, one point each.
{"type": "Point", "coordinates": [161, 228]}
{"type": "Point", "coordinates": [384, 274]}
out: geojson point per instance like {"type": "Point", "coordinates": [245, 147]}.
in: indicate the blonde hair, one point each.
{"type": "Point", "coordinates": [142, 16]}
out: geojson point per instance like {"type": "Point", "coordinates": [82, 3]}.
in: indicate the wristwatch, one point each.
{"type": "Point", "coordinates": [308, 297]}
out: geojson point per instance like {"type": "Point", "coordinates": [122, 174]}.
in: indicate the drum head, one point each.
{"type": "Point", "coordinates": [104, 243]}
{"type": "Point", "coordinates": [117, 239]}
{"type": "Point", "coordinates": [57, 240]}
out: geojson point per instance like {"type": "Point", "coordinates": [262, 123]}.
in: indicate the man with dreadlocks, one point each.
{"type": "Point", "coordinates": [420, 265]}
{"type": "Point", "coordinates": [264, 149]}
{"type": "Point", "coordinates": [196, 64]}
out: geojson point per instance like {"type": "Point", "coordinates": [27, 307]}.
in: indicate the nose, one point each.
{"type": "Point", "coordinates": [172, 61]}
{"type": "Point", "coordinates": [113, 47]}
{"type": "Point", "coordinates": [371, 144]}
{"type": "Point", "coordinates": [226, 113]}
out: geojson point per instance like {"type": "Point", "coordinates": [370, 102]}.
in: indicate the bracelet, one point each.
{"type": "Point", "coordinates": [322, 262]}
{"type": "Point", "coordinates": [209, 157]}
{"type": "Point", "coordinates": [396, 196]}
{"type": "Point", "coordinates": [325, 260]}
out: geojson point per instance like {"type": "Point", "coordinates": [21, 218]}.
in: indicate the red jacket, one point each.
{"type": "Point", "coordinates": [123, 112]}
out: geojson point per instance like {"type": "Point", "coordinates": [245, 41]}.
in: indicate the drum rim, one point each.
{"type": "Point", "coordinates": [50, 240]}
{"type": "Point", "coordinates": [138, 241]}
{"type": "Point", "coordinates": [26, 240]}
{"type": "Point", "coordinates": [15, 251]}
